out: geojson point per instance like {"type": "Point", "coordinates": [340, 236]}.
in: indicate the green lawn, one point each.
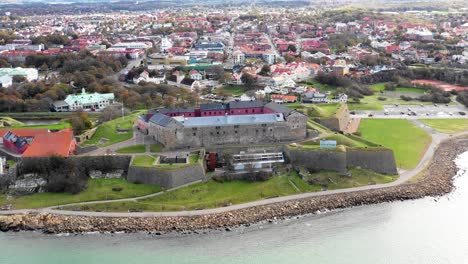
{"type": "Point", "coordinates": [133, 149]}
{"type": "Point", "coordinates": [373, 103]}
{"type": "Point", "coordinates": [315, 84]}
{"type": "Point", "coordinates": [209, 194]}
{"type": "Point", "coordinates": [407, 141]}
{"type": "Point", "coordinates": [143, 161]}
{"type": "Point", "coordinates": [315, 110]}
{"type": "Point", "coordinates": [380, 87]}
{"type": "Point", "coordinates": [193, 158]}
{"type": "Point", "coordinates": [212, 194]}
{"type": "Point", "coordinates": [448, 126]}
{"type": "Point", "coordinates": [235, 90]}
{"type": "Point", "coordinates": [155, 148]}
{"type": "Point", "coordinates": [340, 140]}
{"type": "Point", "coordinates": [108, 130]}
{"type": "Point", "coordinates": [98, 189]}
{"type": "Point", "coordinates": [359, 177]}
{"type": "Point", "coordinates": [11, 163]}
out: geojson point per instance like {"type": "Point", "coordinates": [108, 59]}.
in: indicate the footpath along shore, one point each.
{"type": "Point", "coordinates": [436, 181]}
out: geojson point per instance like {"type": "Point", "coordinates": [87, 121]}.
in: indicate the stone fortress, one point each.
{"type": "Point", "coordinates": [234, 123]}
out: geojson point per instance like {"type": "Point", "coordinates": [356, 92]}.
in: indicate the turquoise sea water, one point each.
{"type": "Point", "coordinates": [422, 231]}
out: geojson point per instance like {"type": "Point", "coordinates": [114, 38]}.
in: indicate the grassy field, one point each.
{"type": "Point", "coordinates": [155, 148]}
{"type": "Point", "coordinates": [340, 140]}
{"type": "Point", "coordinates": [359, 177]}
{"type": "Point", "coordinates": [236, 90]}
{"type": "Point", "coordinates": [407, 141]}
{"type": "Point", "coordinates": [108, 130]}
{"type": "Point", "coordinates": [143, 161]}
{"type": "Point", "coordinates": [132, 149]}
{"type": "Point", "coordinates": [313, 83]}
{"type": "Point", "coordinates": [193, 158]}
{"type": "Point", "coordinates": [373, 103]}
{"type": "Point", "coordinates": [98, 189]}
{"type": "Point", "coordinates": [212, 194]}
{"type": "Point", "coordinates": [448, 126]}
{"type": "Point", "coordinates": [380, 87]}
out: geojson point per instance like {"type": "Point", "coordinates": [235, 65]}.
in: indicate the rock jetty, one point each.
{"type": "Point", "coordinates": [437, 181]}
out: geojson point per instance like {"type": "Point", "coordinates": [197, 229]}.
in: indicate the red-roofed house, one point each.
{"type": "Point", "coordinates": [39, 142]}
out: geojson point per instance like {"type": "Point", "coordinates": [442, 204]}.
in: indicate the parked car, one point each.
{"type": "Point", "coordinates": [462, 113]}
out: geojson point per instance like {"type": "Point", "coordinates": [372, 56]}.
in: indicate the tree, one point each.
{"type": "Point", "coordinates": [248, 80]}
{"type": "Point", "coordinates": [112, 112]}
{"type": "Point", "coordinates": [19, 78]}
{"type": "Point", "coordinates": [265, 71]}
{"type": "Point", "coordinates": [292, 48]}
{"type": "Point", "coordinates": [80, 122]}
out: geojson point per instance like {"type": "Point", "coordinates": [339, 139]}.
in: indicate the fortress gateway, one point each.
{"type": "Point", "coordinates": [234, 123]}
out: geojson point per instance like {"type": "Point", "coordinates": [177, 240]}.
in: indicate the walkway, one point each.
{"type": "Point", "coordinates": [404, 176]}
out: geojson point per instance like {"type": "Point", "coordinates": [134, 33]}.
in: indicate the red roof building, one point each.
{"type": "Point", "coordinates": [40, 142]}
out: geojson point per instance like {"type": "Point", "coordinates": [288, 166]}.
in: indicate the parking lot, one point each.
{"type": "Point", "coordinates": [417, 111]}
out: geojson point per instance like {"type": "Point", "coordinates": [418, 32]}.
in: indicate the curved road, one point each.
{"type": "Point", "coordinates": [404, 176]}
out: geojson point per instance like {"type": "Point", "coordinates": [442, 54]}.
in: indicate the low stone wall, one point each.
{"type": "Point", "coordinates": [378, 160]}
{"type": "Point", "coordinates": [80, 150]}
{"type": "Point", "coordinates": [316, 160]}
{"type": "Point", "coordinates": [166, 177]}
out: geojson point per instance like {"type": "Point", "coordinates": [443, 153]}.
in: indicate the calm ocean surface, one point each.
{"type": "Point", "coordinates": [423, 231]}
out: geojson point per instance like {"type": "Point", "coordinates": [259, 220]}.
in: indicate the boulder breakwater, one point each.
{"type": "Point", "coordinates": [436, 180]}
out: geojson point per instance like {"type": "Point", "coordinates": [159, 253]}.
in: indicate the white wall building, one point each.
{"type": "Point", "coordinates": [30, 74]}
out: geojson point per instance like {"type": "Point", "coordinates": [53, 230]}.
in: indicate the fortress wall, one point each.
{"type": "Point", "coordinates": [166, 177]}
{"type": "Point", "coordinates": [378, 160]}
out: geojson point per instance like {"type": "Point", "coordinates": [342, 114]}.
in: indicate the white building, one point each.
{"type": "Point", "coordinates": [84, 101]}
{"type": "Point", "coordinates": [269, 58]}
{"type": "Point", "coordinates": [238, 57]}
{"type": "Point", "coordinates": [165, 44]}
{"type": "Point", "coordinates": [6, 81]}
{"type": "Point", "coordinates": [131, 45]}
{"type": "Point", "coordinates": [30, 74]}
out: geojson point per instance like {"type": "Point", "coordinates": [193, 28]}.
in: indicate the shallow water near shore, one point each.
{"type": "Point", "coordinates": [421, 231]}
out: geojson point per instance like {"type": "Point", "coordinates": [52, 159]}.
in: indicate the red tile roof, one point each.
{"type": "Point", "coordinates": [46, 143]}
{"type": "Point", "coordinates": [54, 143]}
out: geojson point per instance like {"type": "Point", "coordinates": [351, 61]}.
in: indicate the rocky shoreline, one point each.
{"type": "Point", "coordinates": [437, 181]}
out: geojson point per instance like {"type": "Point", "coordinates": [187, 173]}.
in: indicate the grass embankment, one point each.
{"type": "Point", "coordinates": [341, 140]}
{"type": "Point", "coordinates": [108, 131]}
{"type": "Point", "coordinates": [448, 126]}
{"type": "Point", "coordinates": [132, 149]}
{"type": "Point", "coordinates": [213, 194]}
{"type": "Point", "coordinates": [408, 141]}
{"type": "Point", "coordinates": [17, 124]}
{"type": "Point", "coordinates": [97, 190]}
{"type": "Point", "coordinates": [315, 110]}
{"type": "Point", "coordinates": [359, 177]}
{"type": "Point", "coordinates": [144, 161]}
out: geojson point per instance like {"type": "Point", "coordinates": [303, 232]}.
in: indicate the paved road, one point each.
{"type": "Point", "coordinates": [420, 111]}
{"type": "Point", "coordinates": [404, 176]}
